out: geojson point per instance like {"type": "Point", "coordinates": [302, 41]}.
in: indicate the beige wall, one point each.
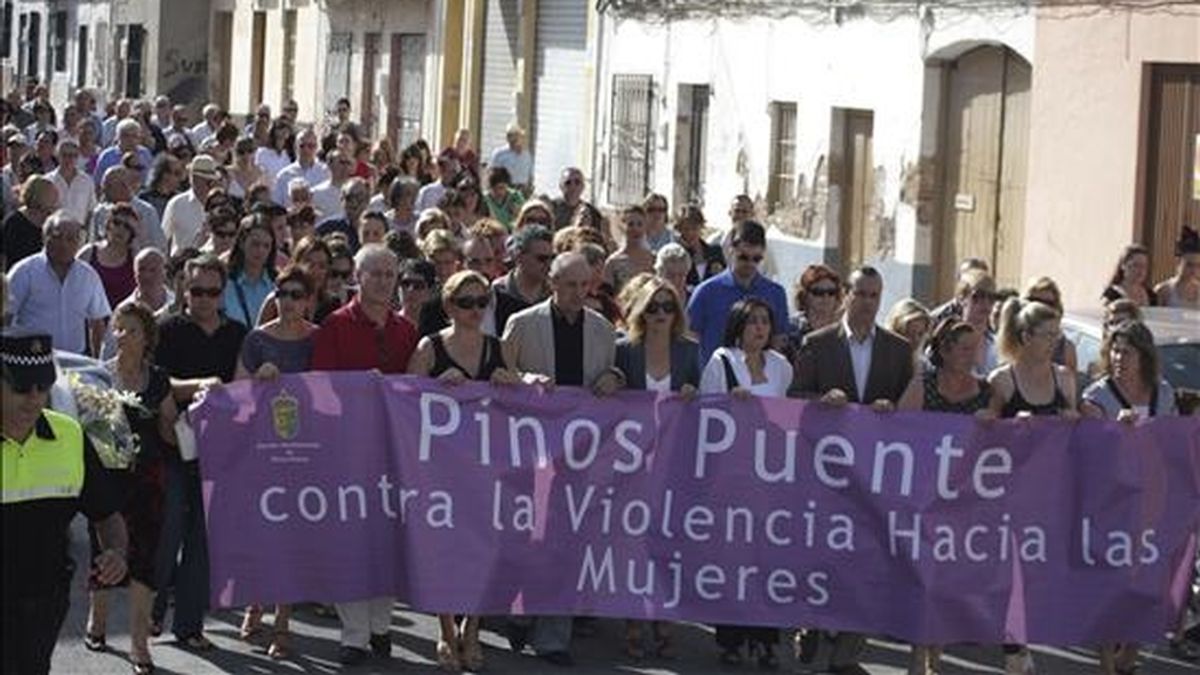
{"type": "Point", "coordinates": [1084, 135]}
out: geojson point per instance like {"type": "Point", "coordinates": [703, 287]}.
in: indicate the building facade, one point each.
{"type": "Point", "coordinates": [132, 48]}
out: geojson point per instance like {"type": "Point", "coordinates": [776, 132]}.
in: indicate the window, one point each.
{"type": "Point", "coordinates": [337, 69]}
{"type": "Point", "coordinates": [81, 63]}
{"type": "Point", "coordinates": [58, 41]}
{"type": "Point", "coordinates": [6, 31]}
{"type": "Point", "coordinates": [135, 37]}
{"type": "Point", "coordinates": [289, 55]}
{"type": "Point", "coordinates": [780, 189]}
{"type": "Point", "coordinates": [31, 35]}
{"type": "Point", "coordinates": [631, 139]}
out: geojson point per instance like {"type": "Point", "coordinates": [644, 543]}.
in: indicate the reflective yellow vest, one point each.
{"type": "Point", "coordinates": [44, 468]}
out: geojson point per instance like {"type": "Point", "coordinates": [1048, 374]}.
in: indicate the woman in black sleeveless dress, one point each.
{"type": "Point", "coordinates": [455, 354]}
{"type": "Point", "coordinates": [1030, 383]}
{"type": "Point", "coordinates": [950, 386]}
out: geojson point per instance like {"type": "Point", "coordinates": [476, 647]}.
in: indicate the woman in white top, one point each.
{"type": "Point", "coordinates": [745, 364]}
{"type": "Point", "coordinates": [271, 158]}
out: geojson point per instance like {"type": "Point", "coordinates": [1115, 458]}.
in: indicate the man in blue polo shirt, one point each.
{"type": "Point", "coordinates": [709, 306]}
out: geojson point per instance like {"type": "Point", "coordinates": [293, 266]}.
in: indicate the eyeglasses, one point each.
{"type": "Point", "coordinates": [339, 274]}
{"type": "Point", "coordinates": [665, 306]}
{"type": "Point", "coordinates": [414, 284]}
{"type": "Point", "coordinates": [204, 292]}
{"type": "Point", "coordinates": [291, 294]}
{"type": "Point", "coordinates": [471, 302]}
{"type": "Point", "coordinates": [742, 257]}
{"type": "Point", "coordinates": [822, 292]}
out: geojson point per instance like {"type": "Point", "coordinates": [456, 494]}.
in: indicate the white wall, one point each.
{"type": "Point", "coordinates": [863, 63]}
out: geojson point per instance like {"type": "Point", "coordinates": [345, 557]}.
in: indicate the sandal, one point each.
{"type": "Point", "coordinates": [95, 643]}
{"type": "Point", "coordinates": [143, 667]}
{"type": "Point", "coordinates": [472, 655]}
{"type": "Point", "coordinates": [447, 657]}
{"type": "Point", "coordinates": [252, 622]}
{"type": "Point", "coordinates": [279, 648]}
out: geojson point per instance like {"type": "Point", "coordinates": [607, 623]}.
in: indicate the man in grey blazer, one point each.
{"type": "Point", "coordinates": [562, 342]}
{"type": "Point", "coordinates": [853, 361]}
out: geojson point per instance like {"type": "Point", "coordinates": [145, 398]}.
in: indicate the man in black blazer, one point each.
{"type": "Point", "coordinates": [853, 361]}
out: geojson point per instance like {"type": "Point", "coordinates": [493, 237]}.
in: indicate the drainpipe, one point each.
{"type": "Point", "coordinates": [598, 133]}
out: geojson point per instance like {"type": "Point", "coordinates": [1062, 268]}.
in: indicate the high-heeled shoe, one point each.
{"type": "Point", "coordinates": [279, 647]}
{"type": "Point", "coordinates": [447, 656]}
{"type": "Point", "coordinates": [252, 622]}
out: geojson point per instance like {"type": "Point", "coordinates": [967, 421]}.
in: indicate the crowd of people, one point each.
{"type": "Point", "coordinates": [186, 257]}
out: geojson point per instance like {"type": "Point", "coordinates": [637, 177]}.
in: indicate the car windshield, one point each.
{"type": "Point", "coordinates": [1181, 364]}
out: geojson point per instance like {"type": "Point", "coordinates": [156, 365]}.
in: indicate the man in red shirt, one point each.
{"type": "Point", "coordinates": [365, 333]}
{"type": "Point", "coordinates": [362, 335]}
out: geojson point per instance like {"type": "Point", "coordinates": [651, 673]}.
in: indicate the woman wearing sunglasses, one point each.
{"type": "Point", "coordinates": [817, 295]}
{"type": "Point", "coordinates": [456, 354]}
{"type": "Point", "coordinates": [283, 345]}
{"type": "Point", "coordinates": [656, 355]}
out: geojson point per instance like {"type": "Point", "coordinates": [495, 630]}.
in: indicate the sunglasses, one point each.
{"type": "Point", "coordinates": [742, 257]}
{"type": "Point", "coordinates": [291, 294]}
{"type": "Point", "coordinates": [414, 284]}
{"type": "Point", "coordinates": [202, 292]}
{"type": "Point", "coordinates": [983, 296]}
{"type": "Point", "coordinates": [823, 292]}
{"type": "Point", "coordinates": [471, 302]}
{"type": "Point", "coordinates": [537, 221]}
{"type": "Point", "coordinates": [666, 306]}
{"type": "Point", "coordinates": [546, 258]}
{"type": "Point", "coordinates": [339, 274]}
{"type": "Point", "coordinates": [656, 209]}
{"type": "Point", "coordinates": [224, 234]}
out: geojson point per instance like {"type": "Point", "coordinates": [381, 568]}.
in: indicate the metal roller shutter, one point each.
{"type": "Point", "coordinates": [502, 46]}
{"type": "Point", "coordinates": [560, 90]}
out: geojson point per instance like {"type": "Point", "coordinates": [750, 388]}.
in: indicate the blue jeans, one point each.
{"type": "Point", "coordinates": [183, 527]}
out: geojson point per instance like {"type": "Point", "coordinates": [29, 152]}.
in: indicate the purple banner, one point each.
{"type": "Point", "coordinates": [508, 500]}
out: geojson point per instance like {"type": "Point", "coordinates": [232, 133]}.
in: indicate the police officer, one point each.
{"type": "Point", "coordinates": [50, 473]}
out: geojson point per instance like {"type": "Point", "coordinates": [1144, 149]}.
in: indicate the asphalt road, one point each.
{"type": "Point", "coordinates": [414, 638]}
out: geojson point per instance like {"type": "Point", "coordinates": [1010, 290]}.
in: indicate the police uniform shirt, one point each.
{"type": "Point", "coordinates": [36, 536]}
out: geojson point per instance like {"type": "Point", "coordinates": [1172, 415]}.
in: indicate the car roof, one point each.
{"type": "Point", "coordinates": [1169, 325]}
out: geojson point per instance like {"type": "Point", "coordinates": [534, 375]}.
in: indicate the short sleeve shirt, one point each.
{"type": "Point", "coordinates": [42, 302]}
{"type": "Point", "coordinates": [708, 309]}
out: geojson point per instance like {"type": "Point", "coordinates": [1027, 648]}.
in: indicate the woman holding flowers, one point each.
{"type": "Point", "coordinates": [151, 422]}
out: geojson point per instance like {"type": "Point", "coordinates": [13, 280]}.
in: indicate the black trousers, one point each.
{"type": "Point", "coordinates": [30, 630]}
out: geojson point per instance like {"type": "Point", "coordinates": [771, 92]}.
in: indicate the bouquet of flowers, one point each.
{"type": "Point", "coordinates": [102, 416]}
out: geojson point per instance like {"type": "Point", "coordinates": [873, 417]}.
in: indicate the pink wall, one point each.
{"type": "Point", "coordinates": [1083, 138]}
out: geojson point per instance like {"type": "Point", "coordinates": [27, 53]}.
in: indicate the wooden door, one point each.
{"type": "Point", "coordinates": [1171, 170]}
{"type": "Point", "coordinates": [369, 70]}
{"type": "Point", "coordinates": [258, 60]}
{"type": "Point", "coordinates": [855, 179]}
{"type": "Point", "coordinates": [986, 156]}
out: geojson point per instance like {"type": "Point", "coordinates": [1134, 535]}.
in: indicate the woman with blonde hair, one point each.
{"type": "Point", "coordinates": [1029, 383]}
{"type": "Point", "coordinates": [910, 320]}
{"type": "Point", "coordinates": [455, 354]}
{"type": "Point", "coordinates": [1046, 291]}
{"type": "Point", "coordinates": [534, 212]}
{"type": "Point", "coordinates": [655, 355]}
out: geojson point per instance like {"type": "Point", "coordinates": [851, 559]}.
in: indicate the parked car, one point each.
{"type": "Point", "coordinates": [1176, 334]}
